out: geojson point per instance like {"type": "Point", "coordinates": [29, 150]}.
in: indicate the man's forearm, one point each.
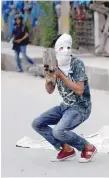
{"type": "Point", "coordinates": [26, 35]}
{"type": "Point", "coordinates": [13, 37]}
{"type": "Point", "coordinates": [76, 87]}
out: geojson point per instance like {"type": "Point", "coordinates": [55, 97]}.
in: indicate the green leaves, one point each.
{"type": "Point", "coordinates": [48, 24]}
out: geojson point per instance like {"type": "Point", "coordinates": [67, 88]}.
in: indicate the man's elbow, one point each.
{"type": "Point", "coordinates": [26, 35]}
{"type": "Point", "coordinates": [80, 92]}
{"type": "Point", "coordinates": [49, 89]}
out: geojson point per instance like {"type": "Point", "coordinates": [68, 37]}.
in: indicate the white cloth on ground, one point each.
{"type": "Point", "coordinates": [100, 139]}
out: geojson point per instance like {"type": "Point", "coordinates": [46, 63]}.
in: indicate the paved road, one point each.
{"type": "Point", "coordinates": [24, 98]}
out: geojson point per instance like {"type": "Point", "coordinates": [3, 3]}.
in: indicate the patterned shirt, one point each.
{"type": "Point", "coordinates": [76, 74]}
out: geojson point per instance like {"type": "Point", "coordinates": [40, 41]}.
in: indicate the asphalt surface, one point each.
{"type": "Point", "coordinates": [24, 98]}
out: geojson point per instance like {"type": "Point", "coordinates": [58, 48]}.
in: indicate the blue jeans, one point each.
{"type": "Point", "coordinates": [22, 50]}
{"type": "Point", "coordinates": [65, 118]}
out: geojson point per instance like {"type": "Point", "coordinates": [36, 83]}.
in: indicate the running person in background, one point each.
{"type": "Point", "coordinates": [20, 41]}
{"type": "Point", "coordinates": [72, 83]}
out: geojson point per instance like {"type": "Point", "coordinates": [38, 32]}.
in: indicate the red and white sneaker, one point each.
{"type": "Point", "coordinates": [65, 155]}
{"type": "Point", "coordinates": [87, 155]}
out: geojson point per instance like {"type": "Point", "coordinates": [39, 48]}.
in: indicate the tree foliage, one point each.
{"type": "Point", "coordinates": [48, 26]}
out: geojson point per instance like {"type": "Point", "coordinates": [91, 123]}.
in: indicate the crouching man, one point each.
{"type": "Point", "coordinates": [72, 83]}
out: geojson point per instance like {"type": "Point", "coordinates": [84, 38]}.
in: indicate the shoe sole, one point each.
{"type": "Point", "coordinates": [83, 160]}
{"type": "Point", "coordinates": [63, 159]}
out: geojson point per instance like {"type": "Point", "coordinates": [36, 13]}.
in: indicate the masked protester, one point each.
{"type": "Point", "coordinates": [72, 84]}
{"type": "Point", "coordinates": [20, 41]}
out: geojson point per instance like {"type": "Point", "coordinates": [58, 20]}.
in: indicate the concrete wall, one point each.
{"type": "Point", "coordinates": [97, 67]}
{"type": "Point", "coordinates": [8, 61]}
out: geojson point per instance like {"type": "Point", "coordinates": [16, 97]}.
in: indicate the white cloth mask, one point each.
{"type": "Point", "coordinates": [63, 52]}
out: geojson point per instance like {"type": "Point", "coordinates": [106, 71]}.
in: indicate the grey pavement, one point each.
{"type": "Point", "coordinates": [23, 99]}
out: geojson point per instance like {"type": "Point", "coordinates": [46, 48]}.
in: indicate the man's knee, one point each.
{"type": "Point", "coordinates": [36, 124]}
{"type": "Point", "coordinates": [58, 134]}
{"type": "Point", "coordinates": [24, 55]}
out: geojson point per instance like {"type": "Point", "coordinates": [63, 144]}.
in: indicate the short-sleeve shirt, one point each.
{"type": "Point", "coordinates": [76, 74]}
{"type": "Point", "coordinates": [19, 32]}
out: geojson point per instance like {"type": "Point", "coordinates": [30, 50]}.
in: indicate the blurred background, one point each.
{"type": "Point", "coordinates": [84, 20]}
